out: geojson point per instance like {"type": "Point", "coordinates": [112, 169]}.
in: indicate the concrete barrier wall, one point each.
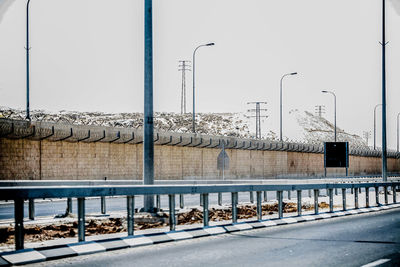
{"type": "Point", "coordinates": [39, 155]}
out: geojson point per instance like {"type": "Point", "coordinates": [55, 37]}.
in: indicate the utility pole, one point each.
{"type": "Point", "coordinates": [366, 135]}
{"type": "Point", "coordinates": [319, 110]}
{"type": "Point", "coordinates": [258, 116]}
{"type": "Point", "coordinates": [384, 43]}
{"type": "Point", "coordinates": [184, 65]}
{"type": "Point", "coordinates": [148, 143]}
{"type": "Point", "coordinates": [28, 117]}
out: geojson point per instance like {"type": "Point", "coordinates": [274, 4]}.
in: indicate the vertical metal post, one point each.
{"type": "Point", "coordinates": [309, 192]}
{"type": "Point", "coordinates": [201, 200]}
{"type": "Point", "coordinates": [205, 209]}
{"type": "Point", "coordinates": [330, 193]}
{"type": "Point", "coordinates": [299, 202]}
{"type": "Point", "coordinates": [356, 198]}
{"type": "Point", "coordinates": [251, 197]}
{"type": "Point", "coordinates": [316, 202]}
{"type": "Point", "coordinates": [394, 194]}
{"type": "Point", "coordinates": [172, 221]}
{"type": "Point", "coordinates": [158, 202]}
{"type": "Point", "coordinates": [69, 205]}
{"type": "Point", "coordinates": [377, 196]}
{"type": "Point", "coordinates": [19, 223]}
{"type": "Point", "coordinates": [27, 62]}
{"type": "Point", "coordinates": [234, 206]}
{"type": "Point", "coordinates": [386, 194]}
{"type": "Point", "coordinates": [289, 194]}
{"type": "Point", "coordinates": [81, 219]}
{"type": "Point", "coordinates": [384, 148]}
{"type": "Point", "coordinates": [280, 204]}
{"type": "Point", "coordinates": [336, 192]}
{"type": "Point", "coordinates": [103, 205]}
{"type": "Point", "coordinates": [265, 196]}
{"type": "Point", "coordinates": [31, 209]}
{"type": "Point", "coordinates": [130, 205]}
{"type": "Point", "coordinates": [367, 197]}
{"type": "Point", "coordinates": [181, 201]}
{"type": "Point", "coordinates": [259, 206]}
{"type": "Point", "coordinates": [352, 190]}
{"type": "Point", "coordinates": [220, 199]}
{"type": "Point", "coordinates": [148, 143]}
{"type": "Point", "coordinates": [344, 198]}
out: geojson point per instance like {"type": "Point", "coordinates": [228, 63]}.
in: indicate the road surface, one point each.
{"type": "Point", "coordinates": [348, 241]}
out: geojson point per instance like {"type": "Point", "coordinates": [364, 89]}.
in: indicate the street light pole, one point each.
{"type": "Point", "coordinates": [334, 97]}
{"type": "Point", "coordinates": [287, 74]}
{"type": "Point", "coordinates": [375, 124]}
{"type": "Point", "coordinates": [194, 83]}
{"type": "Point", "coordinates": [384, 148]}
{"type": "Point", "coordinates": [148, 143]}
{"type": "Point", "coordinates": [398, 132]}
{"type": "Point", "coordinates": [27, 48]}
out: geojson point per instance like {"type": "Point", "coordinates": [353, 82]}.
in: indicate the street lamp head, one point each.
{"type": "Point", "coordinates": [293, 73]}
{"type": "Point", "coordinates": [210, 44]}
{"type": "Point", "coordinates": [324, 91]}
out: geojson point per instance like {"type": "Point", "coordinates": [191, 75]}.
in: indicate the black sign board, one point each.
{"type": "Point", "coordinates": [336, 154]}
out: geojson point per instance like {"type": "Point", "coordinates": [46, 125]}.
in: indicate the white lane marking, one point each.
{"type": "Point", "coordinates": [376, 263]}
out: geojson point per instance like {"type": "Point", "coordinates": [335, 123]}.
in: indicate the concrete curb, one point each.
{"type": "Point", "coordinates": [26, 256]}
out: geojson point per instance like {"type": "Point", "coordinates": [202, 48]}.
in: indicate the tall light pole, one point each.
{"type": "Point", "coordinates": [383, 43]}
{"type": "Point", "coordinates": [148, 143]}
{"type": "Point", "coordinates": [287, 74]}
{"type": "Point", "coordinates": [375, 124]}
{"type": "Point", "coordinates": [398, 132]}
{"type": "Point", "coordinates": [334, 97]}
{"type": "Point", "coordinates": [194, 83]}
{"type": "Point", "coordinates": [27, 61]}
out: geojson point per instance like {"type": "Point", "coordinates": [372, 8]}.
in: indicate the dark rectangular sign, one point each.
{"type": "Point", "coordinates": [336, 154]}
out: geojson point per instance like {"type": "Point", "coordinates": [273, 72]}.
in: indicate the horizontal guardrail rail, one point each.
{"type": "Point", "coordinates": [20, 193]}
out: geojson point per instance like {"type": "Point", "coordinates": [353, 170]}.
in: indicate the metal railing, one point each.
{"type": "Point", "coordinates": [19, 194]}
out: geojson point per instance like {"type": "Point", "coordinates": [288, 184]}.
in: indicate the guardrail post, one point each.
{"type": "Point", "coordinates": [336, 192]}
{"type": "Point", "coordinates": [259, 207]}
{"type": "Point", "coordinates": [181, 201]}
{"type": "Point", "coordinates": [377, 195]}
{"type": "Point", "coordinates": [251, 197]}
{"type": "Point", "coordinates": [265, 196]}
{"type": "Point", "coordinates": [367, 197]}
{"type": "Point", "coordinates": [316, 202]}
{"type": "Point", "coordinates": [19, 223]}
{"type": "Point", "coordinates": [205, 209]}
{"type": "Point", "coordinates": [69, 205]}
{"type": "Point", "coordinates": [81, 219]}
{"type": "Point", "coordinates": [394, 193]}
{"type": "Point", "coordinates": [201, 200]}
{"type": "Point", "coordinates": [356, 198]}
{"type": "Point", "coordinates": [359, 190]}
{"type": "Point", "coordinates": [330, 193]}
{"type": "Point", "coordinates": [234, 206]}
{"type": "Point", "coordinates": [352, 190]}
{"type": "Point", "coordinates": [220, 199]}
{"type": "Point", "coordinates": [280, 204]}
{"type": "Point", "coordinates": [309, 192]}
{"type": "Point", "coordinates": [130, 205]}
{"type": "Point", "coordinates": [31, 209]}
{"type": "Point", "coordinates": [299, 202]}
{"type": "Point", "coordinates": [289, 194]}
{"type": "Point", "coordinates": [386, 194]}
{"type": "Point", "coordinates": [103, 205]}
{"type": "Point", "coordinates": [158, 202]}
{"type": "Point", "coordinates": [344, 198]}
{"type": "Point", "coordinates": [172, 221]}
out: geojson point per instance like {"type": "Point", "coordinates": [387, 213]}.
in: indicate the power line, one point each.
{"type": "Point", "coordinates": [258, 116]}
{"type": "Point", "coordinates": [184, 65]}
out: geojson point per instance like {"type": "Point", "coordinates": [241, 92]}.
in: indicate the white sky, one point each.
{"type": "Point", "coordinates": [87, 55]}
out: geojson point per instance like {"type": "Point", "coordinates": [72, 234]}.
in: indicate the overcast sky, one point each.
{"type": "Point", "coordinates": [87, 55]}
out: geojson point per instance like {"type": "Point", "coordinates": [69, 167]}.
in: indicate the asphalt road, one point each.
{"type": "Point", "coordinates": [349, 241]}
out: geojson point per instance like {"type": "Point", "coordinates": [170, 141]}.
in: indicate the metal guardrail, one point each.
{"type": "Point", "coordinates": [19, 194]}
